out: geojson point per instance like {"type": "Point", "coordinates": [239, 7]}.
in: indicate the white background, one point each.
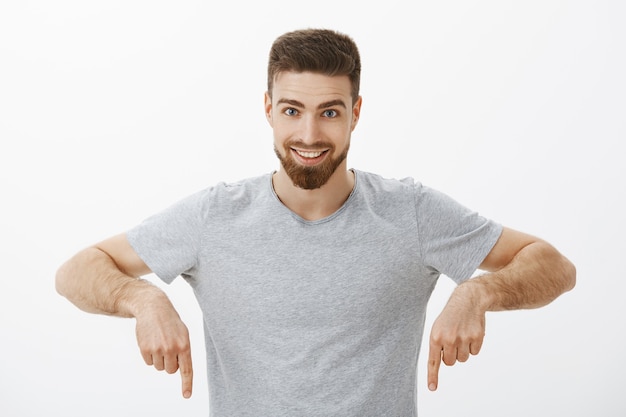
{"type": "Point", "coordinates": [112, 110]}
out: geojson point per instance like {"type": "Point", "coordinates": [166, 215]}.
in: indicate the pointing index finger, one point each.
{"type": "Point", "coordinates": [434, 361]}
{"type": "Point", "coordinates": [186, 373]}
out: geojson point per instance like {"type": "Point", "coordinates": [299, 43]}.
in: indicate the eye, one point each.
{"type": "Point", "coordinates": [291, 111]}
{"type": "Point", "coordinates": [330, 113]}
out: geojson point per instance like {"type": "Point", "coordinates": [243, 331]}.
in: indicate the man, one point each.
{"type": "Point", "coordinates": [313, 280]}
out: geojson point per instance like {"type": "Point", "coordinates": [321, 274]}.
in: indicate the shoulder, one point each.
{"type": "Point", "coordinates": [390, 192]}
{"type": "Point", "coordinates": [240, 189]}
{"type": "Point", "coordinates": [236, 196]}
{"type": "Point", "coordinates": [223, 196]}
{"type": "Point", "coordinates": [375, 183]}
{"type": "Point", "coordinates": [389, 197]}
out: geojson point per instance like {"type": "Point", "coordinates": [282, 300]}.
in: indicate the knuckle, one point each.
{"type": "Point", "coordinates": [179, 344]}
{"type": "Point", "coordinates": [184, 346]}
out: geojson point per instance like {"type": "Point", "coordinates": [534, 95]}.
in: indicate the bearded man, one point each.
{"type": "Point", "coordinates": [313, 280]}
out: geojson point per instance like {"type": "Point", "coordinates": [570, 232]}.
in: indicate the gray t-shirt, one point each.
{"type": "Point", "coordinates": [314, 318]}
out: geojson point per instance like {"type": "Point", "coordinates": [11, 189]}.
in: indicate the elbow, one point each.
{"type": "Point", "coordinates": [61, 280]}
{"type": "Point", "coordinates": [569, 275]}
{"type": "Point", "coordinates": [65, 280]}
{"type": "Point", "coordinates": [563, 272]}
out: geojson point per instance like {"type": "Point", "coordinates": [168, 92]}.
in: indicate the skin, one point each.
{"type": "Point", "coordinates": [299, 111]}
{"type": "Point", "coordinates": [522, 271]}
{"type": "Point", "coordinates": [104, 279]}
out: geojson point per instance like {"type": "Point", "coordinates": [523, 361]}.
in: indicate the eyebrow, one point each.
{"type": "Point", "coordinates": [325, 105]}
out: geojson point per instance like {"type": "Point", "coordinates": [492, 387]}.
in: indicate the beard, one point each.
{"type": "Point", "coordinates": [310, 177]}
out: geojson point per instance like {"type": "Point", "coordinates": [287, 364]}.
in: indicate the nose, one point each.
{"type": "Point", "coordinates": [310, 130]}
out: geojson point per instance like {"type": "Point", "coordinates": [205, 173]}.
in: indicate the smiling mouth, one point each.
{"type": "Point", "coordinates": [309, 154]}
{"type": "Point", "coordinates": [309, 158]}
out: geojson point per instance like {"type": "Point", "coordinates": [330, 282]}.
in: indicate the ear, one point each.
{"type": "Point", "coordinates": [268, 108]}
{"type": "Point", "coordinates": [356, 112]}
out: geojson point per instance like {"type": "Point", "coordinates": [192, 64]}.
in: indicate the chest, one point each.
{"type": "Point", "coordinates": [295, 276]}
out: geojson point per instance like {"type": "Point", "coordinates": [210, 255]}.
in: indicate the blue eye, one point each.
{"type": "Point", "coordinates": [330, 113]}
{"type": "Point", "coordinates": [291, 111]}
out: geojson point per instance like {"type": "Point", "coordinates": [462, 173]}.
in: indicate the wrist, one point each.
{"type": "Point", "coordinates": [475, 293]}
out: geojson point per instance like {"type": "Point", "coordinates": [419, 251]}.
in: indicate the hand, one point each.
{"type": "Point", "coordinates": [164, 343]}
{"type": "Point", "coordinates": [457, 332]}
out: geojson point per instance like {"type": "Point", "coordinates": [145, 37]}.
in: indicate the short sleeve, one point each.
{"type": "Point", "coordinates": [169, 241]}
{"type": "Point", "coordinates": [454, 239]}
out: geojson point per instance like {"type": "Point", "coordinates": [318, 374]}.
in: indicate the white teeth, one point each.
{"type": "Point", "coordinates": [309, 154]}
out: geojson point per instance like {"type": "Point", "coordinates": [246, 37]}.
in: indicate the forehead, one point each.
{"type": "Point", "coordinates": [311, 88]}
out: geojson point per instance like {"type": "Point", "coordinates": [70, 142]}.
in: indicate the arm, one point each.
{"type": "Point", "coordinates": [523, 272]}
{"type": "Point", "coordinates": [104, 279]}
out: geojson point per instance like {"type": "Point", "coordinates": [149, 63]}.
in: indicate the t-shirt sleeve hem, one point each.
{"type": "Point", "coordinates": [495, 230]}
{"type": "Point", "coordinates": [157, 269]}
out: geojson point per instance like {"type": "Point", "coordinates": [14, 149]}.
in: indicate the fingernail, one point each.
{"type": "Point", "coordinates": [187, 394]}
{"type": "Point", "coordinates": [432, 386]}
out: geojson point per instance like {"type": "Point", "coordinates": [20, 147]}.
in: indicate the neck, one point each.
{"type": "Point", "coordinates": [319, 203]}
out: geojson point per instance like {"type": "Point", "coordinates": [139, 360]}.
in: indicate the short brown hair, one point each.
{"type": "Point", "coordinates": [316, 50]}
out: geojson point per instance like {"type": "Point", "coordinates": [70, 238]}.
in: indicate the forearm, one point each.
{"type": "Point", "coordinates": [92, 281]}
{"type": "Point", "coordinates": [535, 276]}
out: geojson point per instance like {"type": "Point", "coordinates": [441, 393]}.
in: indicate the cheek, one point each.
{"type": "Point", "coordinates": [280, 136]}
{"type": "Point", "coordinates": [284, 129]}
{"type": "Point", "coordinates": [343, 133]}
